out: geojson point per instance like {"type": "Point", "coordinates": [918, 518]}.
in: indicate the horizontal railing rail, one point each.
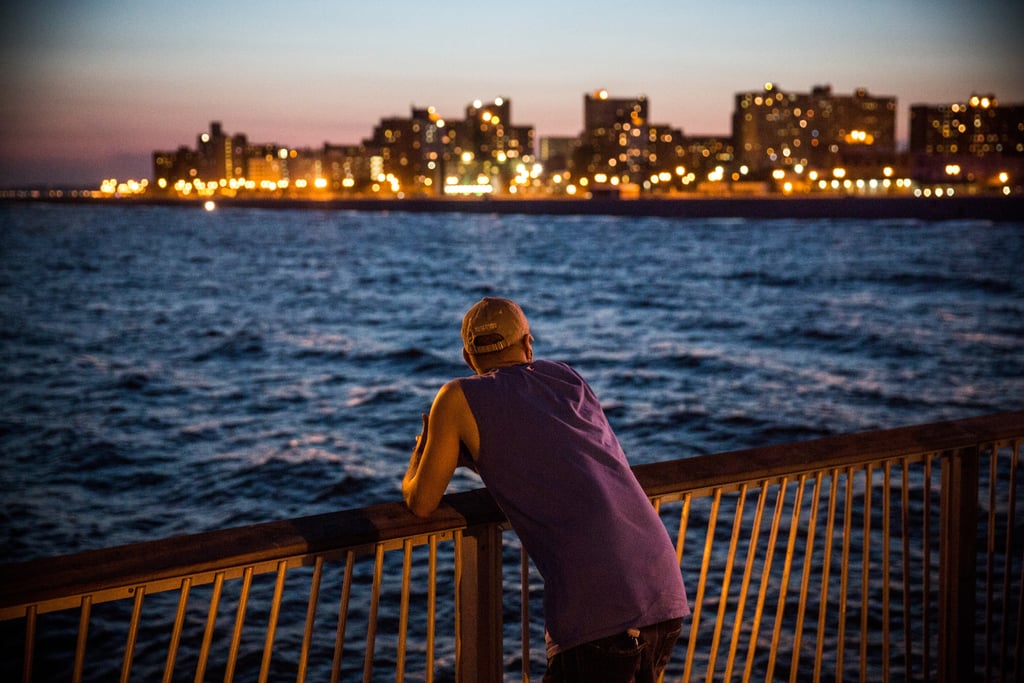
{"type": "Point", "coordinates": [895, 554]}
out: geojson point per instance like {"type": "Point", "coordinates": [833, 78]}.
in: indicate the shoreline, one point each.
{"type": "Point", "coordinates": [991, 208]}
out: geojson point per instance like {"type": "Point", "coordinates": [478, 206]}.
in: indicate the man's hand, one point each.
{"type": "Point", "coordinates": [421, 438]}
{"type": "Point", "coordinates": [437, 450]}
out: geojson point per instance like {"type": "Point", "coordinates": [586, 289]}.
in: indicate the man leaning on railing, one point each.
{"type": "Point", "coordinates": [534, 430]}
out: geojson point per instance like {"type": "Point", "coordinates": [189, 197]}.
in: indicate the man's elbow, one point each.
{"type": "Point", "coordinates": [418, 506]}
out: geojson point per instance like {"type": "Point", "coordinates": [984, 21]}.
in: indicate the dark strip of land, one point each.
{"type": "Point", "coordinates": [983, 207]}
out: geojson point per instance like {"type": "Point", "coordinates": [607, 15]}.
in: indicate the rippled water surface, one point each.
{"type": "Point", "coordinates": [167, 371]}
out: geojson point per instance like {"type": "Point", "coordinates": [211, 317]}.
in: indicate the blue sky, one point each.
{"type": "Point", "coordinates": [89, 89]}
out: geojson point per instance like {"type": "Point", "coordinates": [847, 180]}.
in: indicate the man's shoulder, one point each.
{"type": "Point", "coordinates": [557, 367]}
{"type": "Point", "coordinates": [452, 386]}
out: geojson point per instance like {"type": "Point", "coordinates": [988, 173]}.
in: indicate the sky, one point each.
{"type": "Point", "coordinates": [89, 89]}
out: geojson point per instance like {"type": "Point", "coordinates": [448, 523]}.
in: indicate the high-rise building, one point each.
{"type": "Point", "coordinates": [615, 138]}
{"type": "Point", "coordinates": [217, 157]}
{"type": "Point", "coordinates": [425, 153]}
{"type": "Point", "coordinates": [775, 129]}
{"type": "Point", "coordinates": [975, 141]}
{"type": "Point", "coordinates": [412, 150]}
{"type": "Point", "coordinates": [221, 154]}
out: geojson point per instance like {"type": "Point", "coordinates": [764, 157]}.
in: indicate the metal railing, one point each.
{"type": "Point", "coordinates": [889, 555]}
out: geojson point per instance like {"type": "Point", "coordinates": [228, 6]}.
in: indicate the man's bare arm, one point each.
{"type": "Point", "coordinates": [437, 451]}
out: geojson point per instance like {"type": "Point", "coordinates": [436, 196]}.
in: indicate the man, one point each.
{"type": "Point", "coordinates": [534, 430]}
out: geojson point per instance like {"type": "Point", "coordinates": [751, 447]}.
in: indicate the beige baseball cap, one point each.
{"type": "Point", "coordinates": [493, 324]}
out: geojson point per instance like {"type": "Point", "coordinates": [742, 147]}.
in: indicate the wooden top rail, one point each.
{"type": "Point", "coordinates": [26, 583]}
{"type": "Point", "coordinates": [691, 475]}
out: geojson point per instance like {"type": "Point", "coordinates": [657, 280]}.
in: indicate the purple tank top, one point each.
{"type": "Point", "coordinates": [551, 461]}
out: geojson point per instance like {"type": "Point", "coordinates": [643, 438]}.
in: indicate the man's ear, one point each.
{"type": "Point", "coordinates": [469, 361]}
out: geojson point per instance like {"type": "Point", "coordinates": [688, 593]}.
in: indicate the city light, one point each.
{"type": "Point", "coordinates": [783, 142]}
{"type": "Point", "coordinates": [111, 187]}
{"type": "Point", "coordinates": [469, 189]}
{"type": "Point", "coordinates": [860, 137]}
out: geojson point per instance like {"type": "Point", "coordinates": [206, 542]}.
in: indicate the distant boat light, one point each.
{"type": "Point", "coordinates": [209, 205]}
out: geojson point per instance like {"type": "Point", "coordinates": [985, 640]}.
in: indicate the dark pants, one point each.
{"type": "Point", "coordinates": [623, 658]}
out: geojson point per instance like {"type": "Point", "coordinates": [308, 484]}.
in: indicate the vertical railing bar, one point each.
{"type": "Point", "coordinates": [83, 634]}
{"type": "Point", "coordinates": [236, 636]}
{"type": "Point", "coordinates": [179, 624]}
{"type": "Point", "coordinates": [748, 569]}
{"type": "Point", "coordinates": [709, 541]}
{"type": "Point", "coordinates": [133, 633]}
{"type": "Point", "coordinates": [339, 637]}
{"type": "Point", "coordinates": [844, 577]}
{"type": "Point", "coordinates": [990, 559]}
{"type": "Point", "coordinates": [865, 576]}
{"type": "Point", "coordinates": [755, 626]}
{"type": "Point", "coordinates": [275, 611]}
{"type": "Point", "coordinates": [926, 583]}
{"type": "Point", "coordinates": [526, 641]}
{"type": "Point", "coordinates": [1011, 510]}
{"type": "Point", "coordinates": [307, 633]}
{"type": "Point", "coordinates": [905, 563]}
{"type": "Point", "coordinates": [959, 577]}
{"type": "Point", "coordinates": [524, 609]}
{"type": "Point", "coordinates": [723, 600]}
{"type": "Point", "coordinates": [403, 610]}
{"type": "Point", "coordinates": [819, 652]}
{"type": "Point", "coordinates": [908, 643]}
{"type": "Point", "coordinates": [684, 519]}
{"type": "Point", "coordinates": [31, 612]}
{"type": "Point", "coordinates": [886, 539]}
{"type": "Point", "coordinates": [371, 625]}
{"type": "Point", "coordinates": [1018, 664]}
{"type": "Point", "coordinates": [211, 620]}
{"type": "Point", "coordinates": [431, 605]}
{"type": "Point", "coordinates": [805, 581]}
{"type": "Point", "coordinates": [457, 537]}
{"type": "Point", "coordinates": [787, 566]}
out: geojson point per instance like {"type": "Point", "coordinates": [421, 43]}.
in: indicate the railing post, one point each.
{"type": "Point", "coordinates": [957, 558]}
{"type": "Point", "coordinates": [480, 604]}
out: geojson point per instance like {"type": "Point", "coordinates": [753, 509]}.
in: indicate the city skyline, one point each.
{"type": "Point", "coordinates": [93, 89]}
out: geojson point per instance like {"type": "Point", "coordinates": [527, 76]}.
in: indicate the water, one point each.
{"type": "Point", "coordinates": [170, 371]}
